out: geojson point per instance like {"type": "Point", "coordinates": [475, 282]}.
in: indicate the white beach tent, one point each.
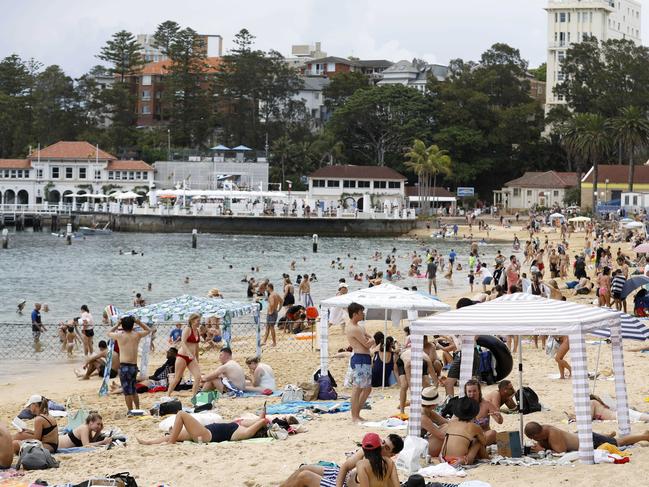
{"type": "Point", "coordinates": [386, 297]}
{"type": "Point", "coordinates": [526, 314]}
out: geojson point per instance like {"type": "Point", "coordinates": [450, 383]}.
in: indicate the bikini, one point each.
{"type": "Point", "coordinates": [193, 338]}
{"type": "Point", "coordinates": [449, 458]}
{"type": "Point", "coordinates": [47, 431]}
{"type": "Point", "coordinates": [73, 438]}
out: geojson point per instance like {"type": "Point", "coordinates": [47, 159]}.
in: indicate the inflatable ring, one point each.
{"type": "Point", "coordinates": [500, 352]}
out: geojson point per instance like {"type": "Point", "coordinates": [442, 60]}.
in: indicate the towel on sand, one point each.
{"type": "Point", "coordinates": [294, 407]}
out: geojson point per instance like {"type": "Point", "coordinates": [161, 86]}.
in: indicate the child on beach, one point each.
{"type": "Point", "coordinates": [71, 339]}
{"type": "Point", "coordinates": [128, 341]}
{"type": "Point", "coordinates": [471, 279]}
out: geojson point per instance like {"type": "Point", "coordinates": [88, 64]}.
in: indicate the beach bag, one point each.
{"type": "Point", "coordinates": [311, 390]}
{"type": "Point", "coordinates": [530, 402]}
{"type": "Point", "coordinates": [317, 374]}
{"type": "Point", "coordinates": [170, 407]}
{"type": "Point", "coordinates": [551, 346]}
{"type": "Point", "coordinates": [414, 448]}
{"type": "Point", "coordinates": [485, 369]}
{"type": "Point", "coordinates": [204, 397]}
{"type": "Point", "coordinates": [326, 391]}
{"type": "Point", "coordinates": [125, 478]}
{"type": "Point", "coordinates": [292, 393]}
{"type": "Point", "coordinates": [34, 456]}
{"type": "Point", "coordinates": [448, 407]}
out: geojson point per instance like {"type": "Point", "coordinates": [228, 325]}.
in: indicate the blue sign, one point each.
{"type": "Point", "coordinates": [465, 192]}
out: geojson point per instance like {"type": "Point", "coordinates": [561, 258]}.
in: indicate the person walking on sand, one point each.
{"type": "Point", "coordinates": [128, 341]}
{"type": "Point", "coordinates": [275, 302]}
{"type": "Point", "coordinates": [187, 356]}
{"type": "Point", "coordinates": [360, 362]}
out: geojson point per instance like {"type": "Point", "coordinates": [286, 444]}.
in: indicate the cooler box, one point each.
{"type": "Point", "coordinates": [509, 444]}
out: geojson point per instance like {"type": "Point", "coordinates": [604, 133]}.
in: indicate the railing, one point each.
{"type": "Point", "coordinates": [18, 342]}
{"type": "Point", "coordinates": [44, 208]}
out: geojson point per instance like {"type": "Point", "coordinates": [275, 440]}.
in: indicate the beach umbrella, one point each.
{"type": "Point", "coordinates": [220, 147]}
{"type": "Point", "coordinates": [578, 219]}
{"type": "Point", "coordinates": [241, 148]}
{"type": "Point", "coordinates": [634, 225]}
{"type": "Point", "coordinates": [128, 195]}
{"type": "Point", "coordinates": [555, 216]}
{"type": "Point", "coordinates": [643, 248]}
{"type": "Point", "coordinates": [632, 284]}
{"type": "Point", "coordinates": [626, 220]}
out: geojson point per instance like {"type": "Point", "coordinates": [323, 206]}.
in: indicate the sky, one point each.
{"type": "Point", "coordinates": [71, 32]}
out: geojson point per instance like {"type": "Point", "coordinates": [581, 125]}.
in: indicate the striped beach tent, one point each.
{"type": "Point", "coordinates": [632, 328]}
{"type": "Point", "coordinates": [527, 314]}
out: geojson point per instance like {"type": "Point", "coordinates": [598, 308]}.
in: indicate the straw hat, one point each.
{"type": "Point", "coordinates": [429, 396]}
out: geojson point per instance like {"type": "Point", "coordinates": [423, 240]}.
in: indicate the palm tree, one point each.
{"type": "Point", "coordinates": [631, 131]}
{"type": "Point", "coordinates": [589, 139]}
{"type": "Point", "coordinates": [438, 162]}
{"type": "Point", "coordinates": [417, 157]}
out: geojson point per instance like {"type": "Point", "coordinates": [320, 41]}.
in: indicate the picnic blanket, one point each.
{"type": "Point", "coordinates": [294, 407]}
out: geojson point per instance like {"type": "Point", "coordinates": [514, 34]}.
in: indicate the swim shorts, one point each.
{"type": "Point", "coordinates": [128, 377]}
{"type": "Point", "coordinates": [271, 319]}
{"type": "Point", "coordinates": [222, 431]}
{"type": "Point", "coordinates": [329, 477]}
{"type": "Point", "coordinates": [89, 333]}
{"type": "Point", "coordinates": [36, 335]}
{"type": "Point", "coordinates": [102, 369]}
{"type": "Point", "coordinates": [361, 370]}
{"type": "Point", "coordinates": [454, 371]}
{"type": "Point", "coordinates": [601, 439]}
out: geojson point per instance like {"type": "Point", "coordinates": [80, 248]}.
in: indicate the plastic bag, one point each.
{"type": "Point", "coordinates": [414, 449]}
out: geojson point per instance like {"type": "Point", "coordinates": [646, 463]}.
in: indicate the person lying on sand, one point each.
{"type": "Point", "coordinates": [551, 438]}
{"type": "Point", "coordinates": [337, 476]}
{"type": "Point", "coordinates": [86, 435]}
{"type": "Point", "coordinates": [186, 428]}
{"type": "Point", "coordinates": [600, 411]}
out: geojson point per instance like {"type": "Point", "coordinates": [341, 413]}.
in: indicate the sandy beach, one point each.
{"type": "Point", "coordinates": [329, 436]}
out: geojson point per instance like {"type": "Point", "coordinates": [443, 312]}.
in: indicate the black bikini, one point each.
{"type": "Point", "coordinates": [47, 431]}
{"type": "Point", "coordinates": [73, 438]}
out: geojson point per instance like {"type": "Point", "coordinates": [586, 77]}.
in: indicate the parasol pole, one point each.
{"type": "Point", "coordinates": [599, 351]}
{"type": "Point", "coordinates": [520, 390]}
{"type": "Point", "coordinates": [385, 332]}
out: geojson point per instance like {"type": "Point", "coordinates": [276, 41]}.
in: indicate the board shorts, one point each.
{"type": "Point", "coordinates": [454, 371]}
{"type": "Point", "coordinates": [271, 319]}
{"type": "Point", "coordinates": [601, 439]}
{"type": "Point", "coordinates": [329, 477]}
{"type": "Point", "coordinates": [36, 334]}
{"type": "Point", "coordinates": [102, 369]}
{"type": "Point", "coordinates": [128, 378]}
{"type": "Point", "coordinates": [360, 365]}
{"type": "Point", "coordinates": [487, 280]}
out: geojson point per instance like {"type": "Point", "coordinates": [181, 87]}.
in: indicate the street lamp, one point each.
{"type": "Point", "coordinates": [606, 198]}
{"type": "Point", "coordinates": [169, 144]}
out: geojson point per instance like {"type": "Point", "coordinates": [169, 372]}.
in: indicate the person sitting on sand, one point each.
{"type": "Point", "coordinates": [229, 370]}
{"type": "Point", "coordinates": [338, 476]}
{"type": "Point", "coordinates": [432, 423]}
{"type": "Point", "coordinates": [97, 362]}
{"type": "Point", "coordinates": [375, 470]}
{"type": "Point", "coordinates": [473, 390]}
{"type": "Point", "coordinates": [503, 395]}
{"type": "Point", "coordinates": [551, 438]}
{"type": "Point", "coordinates": [186, 428]}
{"type": "Point", "coordinates": [464, 441]}
{"type": "Point", "coordinates": [86, 435]}
{"type": "Point", "coordinates": [6, 447]}
{"type": "Point", "coordinates": [403, 364]}
{"type": "Point", "coordinates": [263, 377]}
{"type": "Point", "coordinates": [600, 411]}
{"type": "Point", "coordinates": [45, 426]}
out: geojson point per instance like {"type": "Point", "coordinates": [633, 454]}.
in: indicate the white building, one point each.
{"type": "Point", "coordinates": [303, 53]}
{"type": "Point", "coordinates": [358, 186]}
{"type": "Point", "coordinates": [411, 74]}
{"type": "Point", "coordinates": [570, 20]}
{"type": "Point", "coordinates": [311, 95]}
{"type": "Point", "coordinates": [69, 168]}
{"type": "Point", "coordinates": [534, 189]}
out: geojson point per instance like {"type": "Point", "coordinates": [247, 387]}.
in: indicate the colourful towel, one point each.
{"type": "Point", "coordinates": [317, 406]}
{"type": "Point", "coordinates": [75, 449]}
{"type": "Point", "coordinates": [259, 394]}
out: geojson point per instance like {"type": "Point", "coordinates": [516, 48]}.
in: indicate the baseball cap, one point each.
{"type": "Point", "coordinates": [429, 396]}
{"type": "Point", "coordinates": [34, 399]}
{"type": "Point", "coordinates": [342, 285]}
{"type": "Point", "coordinates": [371, 441]}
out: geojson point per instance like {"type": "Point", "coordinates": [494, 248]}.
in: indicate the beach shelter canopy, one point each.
{"type": "Point", "coordinates": [220, 147]}
{"type": "Point", "coordinates": [179, 309]}
{"type": "Point", "coordinates": [632, 225]}
{"type": "Point", "coordinates": [241, 148]}
{"type": "Point", "coordinates": [385, 297]}
{"type": "Point", "coordinates": [555, 216]}
{"type": "Point", "coordinates": [631, 328]}
{"type": "Point", "coordinates": [578, 219]}
{"type": "Point", "coordinates": [527, 314]}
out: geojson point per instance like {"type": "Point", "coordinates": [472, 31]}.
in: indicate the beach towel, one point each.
{"type": "Point", "coordinates": [259, 394]}
{"type": "Point", "coordinates": [390, 423]}
{"type": "Point", "coordinates": [294, 407]}
{"type": "Point", "coordinates": [75, 449]}
{"type": "Point", "coordinates": [441, 470]}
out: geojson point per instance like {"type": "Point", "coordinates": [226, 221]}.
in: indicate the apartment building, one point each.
{"type": "Point", "coordinates": [570, 20]}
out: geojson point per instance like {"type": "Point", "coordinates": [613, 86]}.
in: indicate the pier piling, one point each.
{"type": "Point", "coordinates": [5, 238]}
{"type": "Point", "coordinates": [194, 238]}
{"type": "Point", "coordinates": [68, 234]}
{"type": "Point", "coordinates": [315, 243]}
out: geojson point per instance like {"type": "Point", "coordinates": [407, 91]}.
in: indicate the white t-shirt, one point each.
{"type": "Point", "coordinates": [485, 272]}
{"type": "Point", "coordinates": [86, 318]}
{"type": "Point", "coordinates": [646, 270]}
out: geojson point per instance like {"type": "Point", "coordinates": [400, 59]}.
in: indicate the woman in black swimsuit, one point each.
{"type": "Point", "coordinates": [45, 426]}
{"type": "Point", "coordinates": [186, 428]}
{"type": "Point", "coordinates": [88, 434]}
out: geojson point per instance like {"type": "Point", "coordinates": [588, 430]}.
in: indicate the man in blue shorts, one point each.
{"type": "Point", "coordinates": [360, 363]}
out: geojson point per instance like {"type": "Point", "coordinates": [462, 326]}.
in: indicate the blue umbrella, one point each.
{"type": "Point", "coordinates": [632, 328]}
{"type": "Point", "coordinates": [633, 283]}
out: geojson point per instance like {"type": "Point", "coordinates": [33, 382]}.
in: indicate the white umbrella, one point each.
{"type": "Point", "coordinates": [554, 216]}
{"type": "Point", "coordinates": [634, 225]}
{"type": "Point", "coordinates": [579, 219]}
{"type": "Point", "coordinates": [128, 195]}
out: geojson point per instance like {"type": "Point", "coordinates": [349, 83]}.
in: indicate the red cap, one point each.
{"type": "Point", "coordinates": [371, 441]}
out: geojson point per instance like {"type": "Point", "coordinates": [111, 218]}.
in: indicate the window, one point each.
{"type": "Point", "coordinates": [380, 184]}
{"type": "Point", "coordinates": [39, 173]}
{"type": "Point", "coordinates": [146, 110]}
{"type": "Point", "coordinates": [561, 55]}
{"type": "Point", "coordinates": [54, 172]}
{"type": "Point", "coordinates": [555, 192]}
{"type": "Point", "coordinates": [69, 173]}
{"type": "Point", "coordinates": [146, 95]}
{"type": "Point", "coordinates": [138, 175]}
{"type": "Point", "coordinates": [517, 191]}
{"type": "Point", "coordinates": [111, 175]}
{"type": "Point", "coordinates": [82, 173]}
{"type": "Point", "coordinates": [318, 183]}
{"type": "Point", "coordinates": [562, 17]}
{"type": "Point", "coordinates": [13, 173]}
{"type": "Point", "coordinates": [332, 183]}
{"type": "Point", "coordinates": [363, 184]}
{"type": "Point", "coordinates": [331, 67]}
{"type": "Point", "coordinates": [97, 173]}
{"type": "Point", "coordinates": [146, 80]}
{"type": "Point", "coordinates": [19, 173]}
{"type": "Point", "coordinates": [635, 201]}
{"type": "Point", "coordinates": [626, 200]}
{"type": "Point", "coordinates": [529, 192]}
{"type": "Point", "coordinates": [348, 183]}
{"type": "Point", "coordinates": [394, 184]}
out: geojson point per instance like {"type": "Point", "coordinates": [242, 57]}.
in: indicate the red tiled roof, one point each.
{"type": "Point", "coordinates": [70, 150]}
{"type": "Point", "coordinates": [15, 164]}
{"type": "Point", "coordinates": [160, 67]}
{"type": "Point", "coordinates": [357, 172]}
{"type": "Point", "coordinates": [618, 174]}
{"type": "Point", "coordinates": [128, 166]}
{"type": "Point", "coordinates": [547, 179]}
{"type": "Point", "coordinates": [441, 192]}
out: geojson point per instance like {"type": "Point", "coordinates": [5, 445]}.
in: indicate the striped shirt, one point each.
{"type": "Point", "coordinates": [618, 283]}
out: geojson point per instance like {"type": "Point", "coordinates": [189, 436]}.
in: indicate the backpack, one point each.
{"type": "Point", "coordinates": [170, 407]}
{"type": "Point", "coordinates": [485, 370]}
{"type": "Point", "coordinates": [316, 376]}
{"type": "Point", "coordinates": [34, 456]}
{"type": "Point", "coordinates": [530, 402]}
{"type": "Point", "coordinates": [448, 406]}
{"type": "Point", "coordinates": [311, 390]}
{"type": "Point", "coordinates": [326, 391]}
{"type": "Point", "coordinates": [292, 393]}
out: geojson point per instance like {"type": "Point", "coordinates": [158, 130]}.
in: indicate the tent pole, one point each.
{"type": "Point", "coordinates": [599, 351]}
{"type": "Point", "coordinates": [385, 332]}
{"type": "Point", "coordinates": [520, 389]}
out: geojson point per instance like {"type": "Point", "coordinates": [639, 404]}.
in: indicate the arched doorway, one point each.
{"type": "Point", "coordinates": [23, 197]}
{"type": "Point", "coordinates": [67, 197]}
{"type": "Point", "coordinates": [81, 199]}
{"type": "Point", "coordinates": [10, 197]}
{"type": "Point", "coordinates": [359, 204]}
{"type": "Point", "coordinates": [53, 196]}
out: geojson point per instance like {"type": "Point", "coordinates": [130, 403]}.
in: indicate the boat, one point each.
{"type": "Point", "coordinates": [88, 231]}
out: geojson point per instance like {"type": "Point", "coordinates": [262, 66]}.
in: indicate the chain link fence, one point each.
{"type": "Point", "coordinates": [20, 342]}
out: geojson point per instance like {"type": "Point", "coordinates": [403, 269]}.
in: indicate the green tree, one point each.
{"type": "Point", "coordinates": [427, 163]}
{"type": "Point", "coordinates": [122, 52]}
{"type": "Point", "coordinates": [342, 86]}
{"type": "Point", "coordinates": [376, 125]}
{"type": "Point", "coordinates": [282, 152]}
{"type": "Point", "coordinates": [540, 73]}
{"type": "Point", "coordinates": [631, 131]}
{"type": "Point", "coordinates": [165, 35]}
